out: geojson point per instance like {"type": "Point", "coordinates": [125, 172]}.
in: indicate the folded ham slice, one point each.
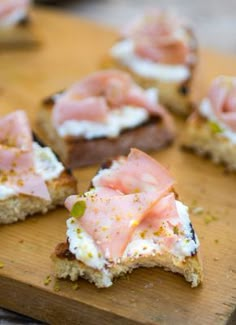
{"type": "Point", "coordinates": [93, 97]}
{"type": "Point", "coordinates": [222, 96]}
{"type": "Point", "coordinates": [16, 157]}
{"type": "Point", "coordinates": [114, 211]}
{"type": "Point", "coordinates": [159, 36]}
{"type": "Point", "coordinates": [138, 173]}
{"type": "Point", "coordinates": [111, 221]}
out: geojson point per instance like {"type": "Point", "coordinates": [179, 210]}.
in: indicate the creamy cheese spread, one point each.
{"type": "Point", "coordinates": [123, 51]}
{"type": "Point", "coordinates": [46, 165]}
{"type": "Point", "coordinates": [207, 111]}
{"type": "Point", "coordinates": [117, 120]}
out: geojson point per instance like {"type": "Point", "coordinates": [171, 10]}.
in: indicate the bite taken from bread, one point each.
{"type": "Point", "coordinates": [159, 50]}
{"type": "Point", "coordinates": [32, 179]}
{"type": "Point", "coordinates": [129, 218]}
{"type": "Point", "coordinates": [101, 116]}
{"type": "Point", "coordinates": [211, 130]}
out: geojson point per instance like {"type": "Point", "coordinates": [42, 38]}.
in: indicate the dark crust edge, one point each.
{"type": "Point", "coordinates": [62, 251]}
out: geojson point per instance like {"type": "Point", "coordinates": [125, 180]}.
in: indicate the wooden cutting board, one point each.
{"type": "Point", "coordinates": [71, 48]}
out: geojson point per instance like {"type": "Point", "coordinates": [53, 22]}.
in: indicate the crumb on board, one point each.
{"type": "Point", "coordinates": [47, 280]}
{"type": "Point", "coordinates": [197, 210]}
{"type": "Point", "coordinates": [1, 265]}
{"type": "Point", "coordinates": [21, 241]}
{"type": "Point", "coordinates": [56, 286]}
{"type": "Point", "coordinates": [209, 218]}
{"type": "Point", "coordinates": [216, 241]}
{"type": "Point", "coordinates": [75, 286]}
{"type": "Point", "coordinates": [216, 259]}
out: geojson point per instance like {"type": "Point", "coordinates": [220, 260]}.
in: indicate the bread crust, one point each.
{"type": "Point", "coordinates": [199, 138]}
{"type": "Point", "coordinates": [174, 95]}
{"type": "Point", "coordinates": [76, 152]}
{"type": "Point", "coordinates": [66, 266]}
{"type": "Point", "coordinates": [18, 36]}
{"type": "Point", "coordinates": [20, 206]}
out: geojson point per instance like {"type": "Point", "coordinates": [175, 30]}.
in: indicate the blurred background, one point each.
{"type": "Point", "coordinates": [214, 20]}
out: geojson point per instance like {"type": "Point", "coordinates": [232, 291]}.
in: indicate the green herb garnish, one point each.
{"type": "Point", "coordinates": [215, 128]}
{"type": "Point", "coordinates": [78, 209]}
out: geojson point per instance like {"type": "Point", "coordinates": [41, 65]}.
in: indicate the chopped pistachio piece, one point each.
{"type": "Point", "coordinates": [47, 280]}
{"type": "Point", "coordinates": [78, 209]}
{"type": "Point", "coordinates": [215, 128]}
{"type": "Point", "coordinates": [75, 286]}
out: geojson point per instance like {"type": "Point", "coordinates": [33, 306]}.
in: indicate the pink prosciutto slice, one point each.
{"type": "Point", "coordinates": [163, 214]}
{"type": "Point", "coordinates": [222, 96]}
{"type": "Point", "coordinates": [16, 157]}
{"type": "Point", "coordinates": [138, 173]}
{"type": "Point", "coordinates": [15, 130]}
{"type": "Point", "coordinates": [159, 37]}
{"type": "Point", "coordinates": [111, 220]}
{"type": "Point", "coordinates": [93, 97]}
{"type": "Point", "coordinates": [9, 7]}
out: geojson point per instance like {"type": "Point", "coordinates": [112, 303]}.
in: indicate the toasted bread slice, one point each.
{"type": "Point", "coordinates": [201, 137]}
{"type": "Point", "coordinates": [76, 152]}
{"type": "Point", "coordinates": [154, 241]}
{"type": "Point", "coordinates": [66, 266]}
{"type": "Point", "coordinates": [17, 208]}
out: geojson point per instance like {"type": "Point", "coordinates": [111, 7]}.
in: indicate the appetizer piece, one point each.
{"type": "Point", "coordinates": [211, 130]}
{"type": "Point", "coordinates": [15, 26]}
{"type": "Point", "coordinates": [129, 218]}
{"type": "Point", "coordinates": [31, 177]}
{"type": "Point", "coordinates": [101, 116]}
{"type": "Point", "coordinates": [159, 50]}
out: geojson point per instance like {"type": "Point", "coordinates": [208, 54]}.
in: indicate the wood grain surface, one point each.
{"type": "Point", "coordinates": [71, 48]}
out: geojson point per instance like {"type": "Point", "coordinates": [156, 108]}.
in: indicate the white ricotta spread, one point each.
{"type": "Point", "coordinates": [46, 165]}
{"type": "Point", "coordinates": [13, 18]}
{"type": "Point", "coordinates": [6, 192]}
{"type": "Point", "coordinates": [148, 246]}
{"type": "Point", "coordinates": [117, 120]}
{"type": "Point", "coordinates": [123, 51]}
{"type": "Point", "coordinates": [86, 250]}
{"type": "Point", "coordinates": [207, 111]}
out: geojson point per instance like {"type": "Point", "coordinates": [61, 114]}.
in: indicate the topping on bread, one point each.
{"type": "Point", "coordinates": [159, 51]}
{"type": "Point", "coordinates": [129, 223]}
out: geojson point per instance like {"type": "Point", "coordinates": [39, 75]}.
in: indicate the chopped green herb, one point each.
{"type": "Point", "coordinates": [78, 209]}
{"type": "Point", "coordinates": [215, 128]}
